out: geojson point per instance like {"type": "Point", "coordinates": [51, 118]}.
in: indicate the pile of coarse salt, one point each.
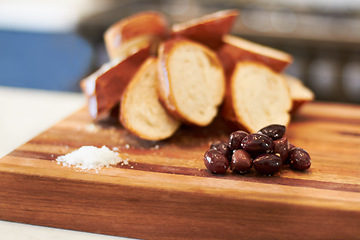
{"type": "Point", "coordinates": [90, 157]}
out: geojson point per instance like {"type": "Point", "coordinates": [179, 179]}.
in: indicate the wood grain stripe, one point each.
{"type": "Point", "coordinates": [250, 177]}
{"type": "Point", "coordinates": [187, 171]}
{"type": "Point", "coordinates": [352, 134]}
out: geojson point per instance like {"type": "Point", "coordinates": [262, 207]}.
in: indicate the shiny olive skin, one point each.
{"type": "Point", "coordinates": [222, 147]}
{"type": "Point", "coordinates": [241, 161]}
{"type": "Point", "coordinates": [257, 144]}
{"type": "Point", "coordinates": [299, 159]}
{"type": "Point", "coordinates": [267, 164]}
{"type": "Point", "coordinates": [235, 139]}
{"type": "Point", "coordinates": [281, 146]}
{"type": "Point", "coordinates": [215, 161]}
{"type": "Point", "coordinates": [274, 131]}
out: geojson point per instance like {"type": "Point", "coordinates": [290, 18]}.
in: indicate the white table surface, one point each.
{"type": "Point", "coordinates": [24, 113]}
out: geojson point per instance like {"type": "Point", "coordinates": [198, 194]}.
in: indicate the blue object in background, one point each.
{"type": "Point", "coordinates": [52, 61]}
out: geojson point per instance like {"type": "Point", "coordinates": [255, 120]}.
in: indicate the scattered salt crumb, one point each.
{"type": "Point", "coordinates": [115, 149]}
{"type": "Point", "coordinates": [90, 157]}
{"type": "Point", "coordinates": [125, 162]}
{"type": "Point", "coordinates": [157, 146]}
{"type": "Point", "coordinates": [127, 146]}
{"type": "Point", "coordinates": [91, 128]}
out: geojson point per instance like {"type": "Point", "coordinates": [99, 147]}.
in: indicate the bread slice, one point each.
{"type": "Point", "coordinates": [192, 82]}
{"type": "Point", "coordinates": [133, 33]}
{"type": "Point", "coordinates": [141, 111]}
{"type": "Point", "coordinates": [237, 49]}
{"type": "Point", "coordinates": [299, 93]}
{"type": "Point", "coordinates": [104, 88]}
{"type": "Point", "coordinates": [207, 29]}
{"type": "Point", "coordinates": [257, 96]}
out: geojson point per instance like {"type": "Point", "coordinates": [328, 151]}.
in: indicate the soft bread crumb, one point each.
{"type": "Point", "coordinates": [196, 82]}
{"type": "Point", "coordinates": [141, 111]}
{"type": "Point", "coordinates": [298, 91]}
{"type": "Point", "coordinates": [260, 96]}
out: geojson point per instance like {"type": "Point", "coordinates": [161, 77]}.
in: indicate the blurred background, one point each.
{"type": "Point", "coordinates": [53, 44]}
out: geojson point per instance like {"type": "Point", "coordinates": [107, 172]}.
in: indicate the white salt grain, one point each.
{"type": "Point", "coordinates": [91, 128]}
{"type": "Point", "coordinates": [90, 157]}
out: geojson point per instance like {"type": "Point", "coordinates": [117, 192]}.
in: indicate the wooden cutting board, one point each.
{"type": "Point", "coordinates": [166, 193]}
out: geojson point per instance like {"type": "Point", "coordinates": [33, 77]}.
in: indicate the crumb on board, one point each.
{"type": "Point", "coordinates": [91, 128]}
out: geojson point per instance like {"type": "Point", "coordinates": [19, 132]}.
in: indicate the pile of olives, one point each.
{"type": "Point", "coordinates": [267, 150]}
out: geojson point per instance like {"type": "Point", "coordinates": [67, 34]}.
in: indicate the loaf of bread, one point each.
{"type": "Point", "coordinates": [135, 32]}
{"type": "Point", "coordinates": [207, 29]}
{"type": "Point", "coordinates": [299, 93]}
{"type": "Point", "coordinates": [141, 111]}
{"type": "Point", "coordinates": [235, 49]}
{"type": "Point", "coordinates": [256, 97]}
{"type": "Point", "coordinates": [200, 67]}
{"type": "Point", "coordinates": [192, 82]}
{"type": "Point", "coordinates": [104, 88]}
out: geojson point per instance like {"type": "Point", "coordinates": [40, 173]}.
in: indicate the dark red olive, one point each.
{"type": "Point", "coordinates": [267, 164]}
{"type": "Point", "coordinates": [235, 139]}
{"type": "Point", "coordinates": [274, 131]}
{"type": "Point", "coordinates": [222, 147]}
{"type": "Point", "coordinates": [215, 161]}
{"type": "Point", "coordinates": [299, 159]}
{"type": "Point", "coordinates": [241, 161]}
{"type": "Point", "coordinates": [257, 144]}
{"type": "Point", "coordinates": [281, 146]}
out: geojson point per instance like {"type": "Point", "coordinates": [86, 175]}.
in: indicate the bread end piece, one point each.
{"type": "Point", "coordinates": [207, 29]}
{"type": "Point", "coordinates": [105, 87]}
{"type": "Point", "coordinates": [135, 32]}
{"type": "Point", "coordinates": [235, 49]}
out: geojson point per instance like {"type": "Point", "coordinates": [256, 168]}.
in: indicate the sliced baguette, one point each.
{"type": "Point", "coordinates": [235, 49]}
{"type": "Point", "coordinates": [141, 111]}
{"type": "Point", "coordinates": [133, 33]}
{"type": "Point", "coordinates": [104, 88]}
{"type": "Point", "coordinates": [192, 82]}
{"type": "Point", "coordinates": [207, 29]}
{"type": "Point", "coordinates": [256, 97]}
{"type": "Point", "coordinates": [299, 93]}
